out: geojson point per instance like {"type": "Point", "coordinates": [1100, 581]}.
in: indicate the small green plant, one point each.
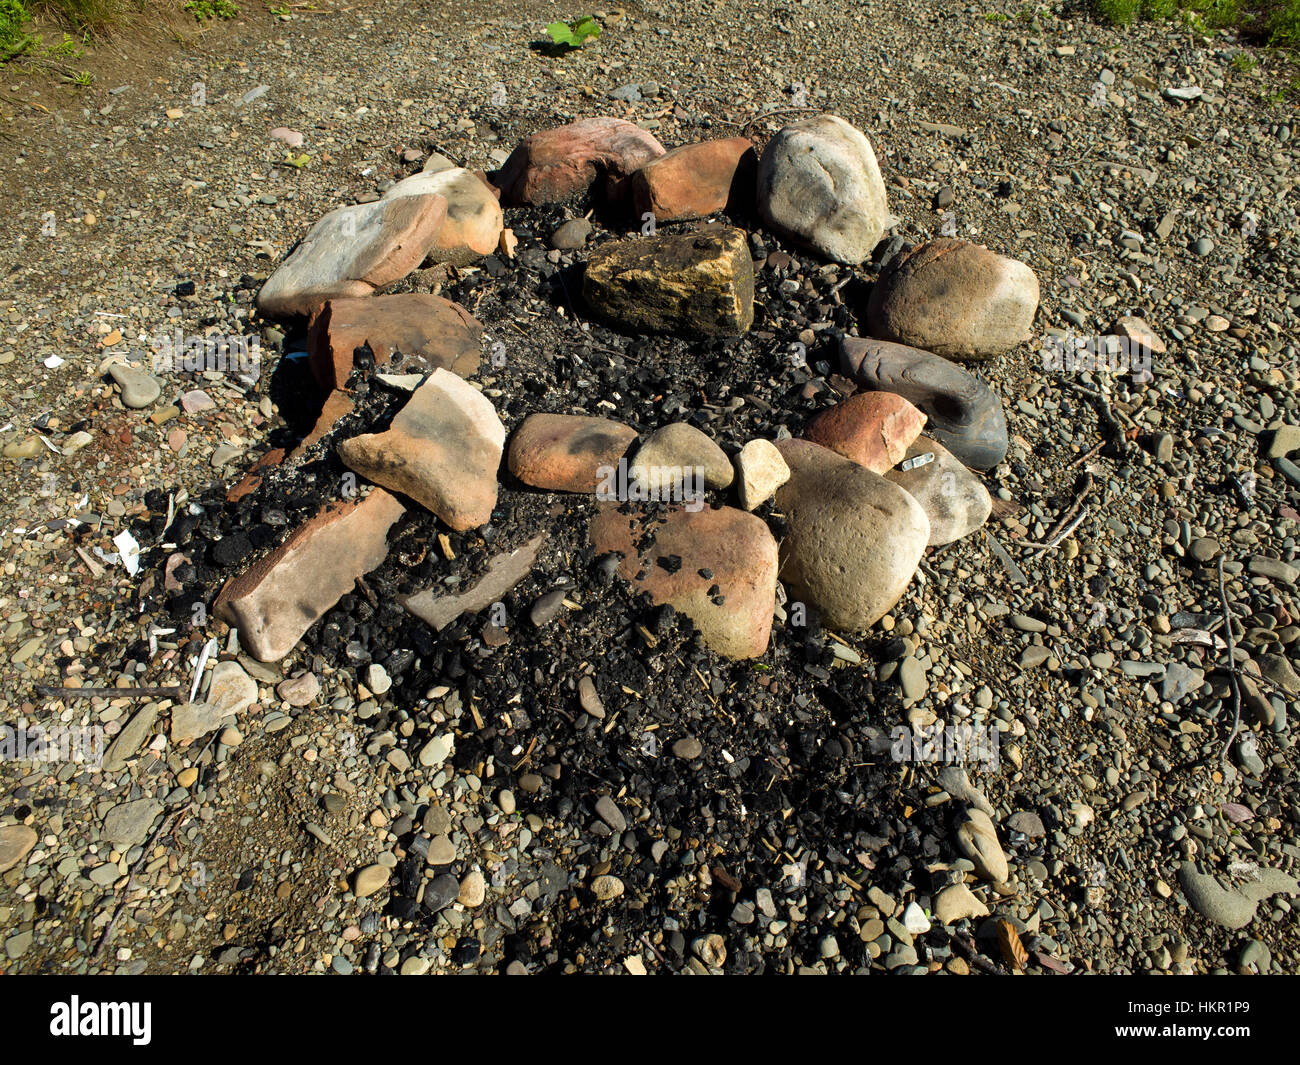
{"type": "Point", "coordinates": [570, 35]}
{"type": "Point", "coordinates": [211, 9]}
{"type": "Point", "coordinates": [82, 78]}
{"type": "Point", "coordinates": [13, 17]}
{"type": "Point", "coordinates": [281, 11]}
{"type": "Point", "coordinates": [997, 16]}
{"type": "Point", "coordinates": [1244, 63]}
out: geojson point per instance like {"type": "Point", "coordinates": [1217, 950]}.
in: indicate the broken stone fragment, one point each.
{"type": "Point", "coordinates": [567, 452]}
{"type": "Point", "coordinates": [503, 573]}
{"type": "Point", "coordinates": [761, 471]}
{"type": "Point", "coordinates": [718, 567]}
{"type": "Point", "coordinates": [555, 165]}
{"type": "Point", "coordinates": [873, 429]}
{"type": "Point", "coordinates": [280, 597]}
{"type": "Point", "coordinates": [412, 331]}
{"type": "Point", "coordinates": [353, 251]}
{"type": "Point", "coordinates": [442, 449]}
{"type": "Point", "coordinates": [962, 412]}
{"type": "Point", "coordinates": [695, 180]}
{"type": "Point", "coordinates": [699, 283]}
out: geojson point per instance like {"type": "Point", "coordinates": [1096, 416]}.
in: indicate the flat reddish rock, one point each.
{"type": "Point", "coordinates": [338, 405]}
{"type": "Point", "coordinates": [696, 180]}
{"type": "Point", "coordinates": [565, 452]}
{"type": "Point", "coordinates": [353, 251]}
{"type": "Point", "coordinates": [555, 165]}
{"type": "Point", "coordinates": [443, 450]}
{"type": "Point", "coordinates": [873, 429]}
{"type": "Point", "coordinates": [252, 480]}
{"type": "Point", "coordinates": [664, 555]}
{"type": "Point", "coordinates": [413, 332]}
{"type": "Point", "coordinates": [279, 598]}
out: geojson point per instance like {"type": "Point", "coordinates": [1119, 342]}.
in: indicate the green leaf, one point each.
{"type": "Point", "coordinates": [561, 34]}
{"type": "Point", "coordinates": [584, 28]}
{"type": "Point", "coordinates": [573, 34]}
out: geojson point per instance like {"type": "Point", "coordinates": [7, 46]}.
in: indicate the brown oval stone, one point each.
{"type": "Point", "coordinates": [566, 452]}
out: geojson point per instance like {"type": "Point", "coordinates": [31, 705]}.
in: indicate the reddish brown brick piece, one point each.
{"type": "Point", "coordinates": [279, 598]}
{"type": "Point", "coordinates": [696, 180]}
{"type": "Point", "coordinates": [411, 332]}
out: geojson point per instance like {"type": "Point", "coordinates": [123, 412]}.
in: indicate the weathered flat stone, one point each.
{"type": "Point", "coordinates": [474, 221]}
{"type": "Point", "coordinates": [555, 165]}
{"type": "Point", "coordinates": [412, 331]}
{"type": "Point", "coordinates": [442, 450]}
{"type": "Point", "coordinates": [963, 414]}
{"type": "Point", "coordinates": [566, 452]}
{"type": "Point", "coordinates": [663, 556]}
{"type": "Point", "coordinates": [698, 283]}
{"type": "Point", "coordinates": [280, 597]}
{"type": "Point", "coordinates": [502, 574]}
{"type": "Point", "coordinates": [127, 743]}
{"type": "Point", "coordinates": [16, 842]}
{"type": "Point", "coordinates": [353, 251]}
{"type": "Point", "coordinates": [127, 824]}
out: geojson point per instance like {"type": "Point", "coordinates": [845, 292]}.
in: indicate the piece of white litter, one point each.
{"type": "Point", "coordinates": [48, 444]}
{"type": "Point", "coordinates": [208, 649]}
{"type": "Point", "coordinates": [129, 550]}
{"type": "Point", "coordinates": [53, 362]}
{"type": "Point", "coordinates": [919, 460]}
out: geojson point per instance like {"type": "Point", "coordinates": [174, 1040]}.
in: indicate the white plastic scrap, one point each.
{"type": "Point", "coordinates": [128, 551]}
{"type": "Point", "coordinates": [209, 649]}
{"type": "Point", "coordinates": [919, 460]}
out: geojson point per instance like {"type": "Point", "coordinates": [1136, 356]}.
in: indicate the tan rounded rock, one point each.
{"type": "Point", "coordinates": [955, 299]}
{"type": "Point", "coordinates": [853, 540]}
{"type": "Point", "coordinates": [953, 498]}
{"type": "Point", "coordinates": [679, 446]}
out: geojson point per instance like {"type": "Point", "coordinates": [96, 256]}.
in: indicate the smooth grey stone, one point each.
{"type": "Point", "coordinates": [963, 413]}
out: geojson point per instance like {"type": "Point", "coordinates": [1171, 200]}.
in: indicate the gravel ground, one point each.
{"type": "Point", "coordinates": [593, 835]}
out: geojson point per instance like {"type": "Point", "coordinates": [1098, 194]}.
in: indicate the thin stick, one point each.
{"type": "Point", "coordinates": [108, 693]}
{"type": "Point", "coordinates": [1232, 667]}
{"type": "Point", "coordinates": [1055, 541]}
{"type": "Point", "coordinates": [130, 880]}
